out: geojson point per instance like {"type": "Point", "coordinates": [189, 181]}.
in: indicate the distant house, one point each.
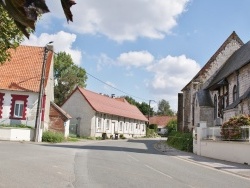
{"type": "Point", "coordinates": [161, 122]}
{"type": "Point", "coordinates": [220, 90]}
{"type": "Point", "coordinates": [97, 114]}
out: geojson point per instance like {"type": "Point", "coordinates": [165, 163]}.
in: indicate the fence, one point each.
{"type": "Point", "coordinates": [227, 134]}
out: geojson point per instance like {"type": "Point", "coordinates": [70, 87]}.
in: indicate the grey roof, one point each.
{"type": "Point", "coordinates": [235, 103]}
{"type": "Point", "coordinates": [239, 58]}
{"type": "Point", "coordinates": [204, 98]}
{"type": "Point", "coordinates": [233, 36]}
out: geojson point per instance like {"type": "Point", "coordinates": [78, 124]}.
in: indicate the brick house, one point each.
{"type": "Point", "coordinates": [97, 114]}
{"type": "Point", "coordinates": [220, 89]}
{"type": "Point", "coordinates": [59, 120]}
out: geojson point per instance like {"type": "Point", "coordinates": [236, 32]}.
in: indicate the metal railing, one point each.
{"type": "Point", "coordinates": [227, 134]}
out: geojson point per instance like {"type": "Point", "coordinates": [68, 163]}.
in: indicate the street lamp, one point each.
{"type": "Point", "coordinates": [47, 48]}
{"type": "Point", "coordinates": [149, 108]}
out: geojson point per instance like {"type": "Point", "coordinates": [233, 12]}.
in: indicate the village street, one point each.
{"type": "Point", "coordinates": [108, 163]}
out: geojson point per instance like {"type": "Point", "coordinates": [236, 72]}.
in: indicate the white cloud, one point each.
{"type": "Point", "coordinates": [62, 41]}
{"type": "Point", "coordinates": [122, 20]}
{"type": "Point", "coordinates": [171, 74]}
{"type": "Point", "coordinates": [135, 59]}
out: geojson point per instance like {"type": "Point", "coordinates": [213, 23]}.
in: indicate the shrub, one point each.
{"type": "Point", "coordinates": [171, 126]}
{"type": "Point", "coordinates": [121, 136]}
{"type": "Point", "coordinates": [153, 126]}
{"type": "Point", "coordinates": [54, 137]}
{"type": "Point", "coordinates": [231, 130]}
{"type": "Point", "coordinates": [181, 141]}
{"type": "Point", "coordinates": [150, 133]}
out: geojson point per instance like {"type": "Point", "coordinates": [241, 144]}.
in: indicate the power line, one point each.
{"type": "Point", "coordinates": [111, 85]}
{"type": "Point", "coordinates": [115, 87]}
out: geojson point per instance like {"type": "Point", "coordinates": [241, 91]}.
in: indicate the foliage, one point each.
{"type": "Point", "coordinates": [231, 130]}
{"type": "Point", "coordinates": [181, 141]}
{"type": "Point", "coordinates": [72, 139]}
{"type": "Point", "coordinates": [150, 133]}
{"type": "Point", "coordinates": [68, 76]}
{"type": "Point", "coordinates": [164, 108]}
{"type": "Point", "coordinates": [153, 126]}
{"type": "Point", "coordinates": [143, 107]}
{"type": "Point", "coordinates": [172, 126]}
{"type": "Point", "coordinates": [10, 35]}
{"type": "Point", "coordinates": [54, 137]}
{"type": "Point", "coordinates": [25, 13]}
{"type": "Point", "coordinates": [121, 136]}
{"type": "Point", "coordinates": [16, 126]}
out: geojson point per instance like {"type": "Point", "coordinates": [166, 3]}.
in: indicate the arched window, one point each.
{"type": "Point", "coordinates": [215, 107]}
{"type": "Point", "coordinates": [234, 93]}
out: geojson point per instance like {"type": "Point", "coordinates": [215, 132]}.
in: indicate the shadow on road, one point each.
{"type": "Point", "coordinates": [114, 145]}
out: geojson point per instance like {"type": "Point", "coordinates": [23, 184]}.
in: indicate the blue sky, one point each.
{"type": "Point", "coordinates": [148, 49]}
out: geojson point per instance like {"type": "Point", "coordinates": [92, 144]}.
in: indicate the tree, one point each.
{"type": "Point", "coordinates": [10, 35]}
{"type": "Point", "coordinates": [164, 108]}
{"type": "Point", "coordinates": [67, 76]}
{"type": "Point", "coordinates": [18, 18]}
{"type": "Point", "coordinates": [26, 12]}
{"type": "Point", "coordinates": [143, 107]}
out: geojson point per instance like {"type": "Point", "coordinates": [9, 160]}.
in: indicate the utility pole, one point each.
{"type": "Point", "coordinates": [149, 109]}
{"type": "Point", "coordinates": [40, 95]}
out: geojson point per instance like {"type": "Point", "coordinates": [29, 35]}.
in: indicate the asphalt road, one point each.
{"type": "Point", "coordinates": [112, 163]}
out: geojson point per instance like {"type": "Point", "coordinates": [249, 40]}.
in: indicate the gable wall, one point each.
{"type": "Point", "coordinates": [77, 106]}
{"type": "Point", "coordinates": [205, 76]}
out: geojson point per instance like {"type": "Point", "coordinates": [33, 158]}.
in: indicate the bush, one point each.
{"type": "Point", "coordinates": [231, 130]}
{"type": "Point", "coordinates": [150, 133]}
{"type": "Point", "coordinates": [121, 136]}
{"type": "Point", "coordinates": [54, 137]}
{"type": "Point", "coordinates": [153, 126]}
{"type": "Point", "coordinates": [171, 126]}
{"type": "Point", "coordinates": [181, 141]}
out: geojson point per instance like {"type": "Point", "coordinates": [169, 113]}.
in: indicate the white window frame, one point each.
{"type": "Point", "coordinates": [120, 126]}
{"type": "Point", "coordinates": [18, 109]}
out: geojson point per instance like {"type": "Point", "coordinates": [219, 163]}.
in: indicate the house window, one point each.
{"type": "Point", "coordinates": [18, 110]}
{"type": "Point", "coordinates": [99, 123]}
{"type": "Point", "coordinates": [120, 125]}
{"type": "Point", "coordinates": [107, 124]}
{"type": "Point", "coordinates": [234, 93]}
{"type": "Point", "coordinates": [143, 128]}
{"type": "Point", "coordinates": [126, 126]}
{"type": "Point", "coordinates": [18, 107]}
{"type": "Point", "coordinates": [1, 103]}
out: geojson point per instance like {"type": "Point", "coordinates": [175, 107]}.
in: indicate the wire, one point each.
{"type": "Point", "coordinates": [115, 87]}
{"type": "Point", "coordinates": [111, 85]}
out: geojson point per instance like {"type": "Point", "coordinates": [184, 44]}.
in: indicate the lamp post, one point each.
{"type": "Point", "coordinates": [149, 109]}
{"type": "Point", "coordinates": [41, 93]}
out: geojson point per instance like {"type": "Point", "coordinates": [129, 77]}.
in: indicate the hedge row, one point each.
{"type": "Point", "coordinates": [181, 141]}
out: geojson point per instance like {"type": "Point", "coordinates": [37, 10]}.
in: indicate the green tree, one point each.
{"type": "Point", "coordinates": [10, 35]}
{"type": "Point", "coordinates": [164, 108]}
{"type": "Point", "coordinates": [143, 107]}
{"type": "Point", "coordinates": [67, 76]}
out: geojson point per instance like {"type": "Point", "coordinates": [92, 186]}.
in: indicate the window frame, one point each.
{"type": "Point", "coordinates": [18, 98]}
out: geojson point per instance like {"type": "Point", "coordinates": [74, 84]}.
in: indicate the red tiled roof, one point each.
{"type": "Point", "coordinates": [23, 71]}
{"type": "Point", "coordinates": [161, 121]}
{"type": "Point", "coordinates": [113, 106]}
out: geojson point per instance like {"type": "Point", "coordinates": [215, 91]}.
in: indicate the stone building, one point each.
{"type": "Point", "coordinates": [220, 89]}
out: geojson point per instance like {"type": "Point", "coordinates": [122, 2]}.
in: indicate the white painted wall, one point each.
{"type": "Point", "coordinates": [30, 112]}
{"type": "Point", "coordinates": [77, 106]}
{"type": "Point", "coordinates": [21, 134]}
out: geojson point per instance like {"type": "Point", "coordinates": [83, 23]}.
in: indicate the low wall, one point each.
{"type": "Point", "coordinates": [16, 134]}
{"type": "Point", "coordinates": [238, 152]}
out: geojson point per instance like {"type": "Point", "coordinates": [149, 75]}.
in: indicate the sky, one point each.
{"type": "Point", "coordinates": [146, 49]}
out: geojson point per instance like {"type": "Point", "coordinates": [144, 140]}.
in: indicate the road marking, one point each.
{"type": "Point", "coordinates": [133, 158]}
{"type": "Point", "coordinates": [159, 171]}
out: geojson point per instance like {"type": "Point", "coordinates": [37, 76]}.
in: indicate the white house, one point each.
{"type": "Point", "coordinates": [97, 114]}
{"type": "Point", "coordinates": [20, 81]}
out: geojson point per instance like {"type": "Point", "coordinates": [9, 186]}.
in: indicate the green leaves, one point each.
{"type": "Point", "coordinates": [67, 77]}
{"type": "Point", "coordinates": [25, 12]}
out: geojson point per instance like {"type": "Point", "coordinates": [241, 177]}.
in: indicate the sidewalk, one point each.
{"type": "Point", "coordinates": [230, 167]}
